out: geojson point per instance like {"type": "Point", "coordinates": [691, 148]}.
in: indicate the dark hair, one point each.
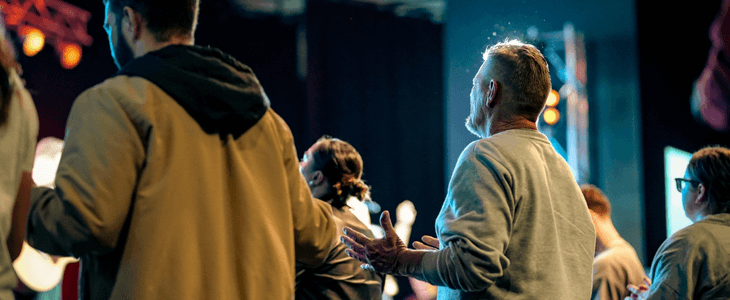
{"type": "Point", "coordinates": [164, 18]}
{"type": "Point", "coordinates": [7, 64]}
{"type": "Point", "coordinates": [341, 164]}
{"type": "Point", "coordinates": [596, 200]}
{"type": "Point", "coordinates": [711, 167]}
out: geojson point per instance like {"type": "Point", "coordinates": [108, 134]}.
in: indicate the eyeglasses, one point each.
{"type": "Point", "coordinates": [680, 183]}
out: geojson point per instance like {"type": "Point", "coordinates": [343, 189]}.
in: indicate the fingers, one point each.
{"type": "Point", "coordinates": [633, 289]}
{"type": "Point", "coordinates": [647, 281]}
{"type": "Point", "coordinates": [637, 292]}
{"type": "Point", "coordinates": [367, 267]}
{"type": "Point", "coordinates": [385, 222]}
{"type": "Point", "coordinates": [353, 245]}
{"type": "Point", "coordinates": [431, 241]}
{"type": "Point", "coordinates": [356, 236]}
{"type": "Point", "coordinates": [356, 255]}
{"type": "Point", "coordinates": [421, 246]}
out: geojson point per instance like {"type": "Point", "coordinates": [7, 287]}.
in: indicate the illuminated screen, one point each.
{"type": "Point", "coordinates": [675, 163]}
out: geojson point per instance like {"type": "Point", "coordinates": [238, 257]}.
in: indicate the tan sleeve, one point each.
{"type": "Point", "coordinates": [95, 182]}
{"type": "Point", "coordinates": [315, 232]}
{"type": "Point", "coordinates": [30, 122]}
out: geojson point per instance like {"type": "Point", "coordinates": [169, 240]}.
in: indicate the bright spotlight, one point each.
{"type": "Point", "coordinates": [70, 55]}
{"type": "Point", "coordinates": [34, 40]}
{"type": "Point", "coordinates": [551, 116]}
{"type": "Point", "coordinates": [553, 98]}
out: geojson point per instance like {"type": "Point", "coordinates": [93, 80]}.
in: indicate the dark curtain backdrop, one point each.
{"type": "Point", "coordinates": [376, 81]}
{"type": "Point", "coordinates": [673, 47]}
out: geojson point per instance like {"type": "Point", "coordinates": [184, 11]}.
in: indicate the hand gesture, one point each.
{"type": "Point", "coordinates": [380, 255]}
{"type": "Point", "coordinates": [639, 292]}
{"type": "Point", "coordinates": [429, 243]}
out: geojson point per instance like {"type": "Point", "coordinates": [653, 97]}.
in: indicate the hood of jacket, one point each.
{"type": "Point", "coordinates": [220, 93]}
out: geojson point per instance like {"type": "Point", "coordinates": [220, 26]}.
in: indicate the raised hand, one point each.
{"type": "Point", "coordinates": [380, 255]}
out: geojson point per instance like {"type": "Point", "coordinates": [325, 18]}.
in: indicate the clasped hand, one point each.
{"type": "Point", "coordinates": [639, 292]}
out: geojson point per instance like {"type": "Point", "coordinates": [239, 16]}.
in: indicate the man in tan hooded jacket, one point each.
{"type": "Point", "coordinates": [177, 180]}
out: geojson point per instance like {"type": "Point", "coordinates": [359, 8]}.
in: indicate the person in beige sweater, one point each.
{"type": "Point", "coordinates": [177, 180]}
{"type": "Point", "coordinates": [616, 264]}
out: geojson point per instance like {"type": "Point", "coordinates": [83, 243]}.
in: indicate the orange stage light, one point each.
{"type": "Point", "coordinates": [551, 116]}
{"type": "Point", "coordinates": [70, 55]}
{"type": "Point", "coordinates": [34, 40]}
{"type": "Point", "coordinates": [553, 98]}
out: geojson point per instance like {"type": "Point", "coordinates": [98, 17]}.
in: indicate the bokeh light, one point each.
{"type": "Point", "coordinates": [34, 40]}
{"type": "Point", "coordinates": [553, 98]}
{"type": "Point", "coordinates": [551, 116]}
{"type": "Point", "coordinates": [70, 55]}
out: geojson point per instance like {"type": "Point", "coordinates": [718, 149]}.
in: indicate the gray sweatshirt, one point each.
{"type": "Point", "coordinates": [514, 225]}
{"type": "Point", "coordinates": [694, 263]}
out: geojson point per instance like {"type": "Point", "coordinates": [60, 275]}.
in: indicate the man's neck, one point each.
{"type": "Point", "coordinates": [151, 44]}
{"type": "Point", "coordinates": [606, 235]}
{"type": "Point", "coordinates": [513, 122]}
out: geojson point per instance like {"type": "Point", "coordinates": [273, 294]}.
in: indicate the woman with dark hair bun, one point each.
{"type": "Point", "coordinates": [694, 263]}
{"type": "Point", "coordinates": [333, 171]}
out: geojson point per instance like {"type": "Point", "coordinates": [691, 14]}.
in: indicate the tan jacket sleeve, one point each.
{"type": "Point", "coordinates": [95, 182]}
{"type": "Point", "coordinates": [315, 232]}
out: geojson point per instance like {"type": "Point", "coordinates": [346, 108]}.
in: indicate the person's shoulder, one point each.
{"type": "Point", "coordinates": [622, 254]}
{"type": "Point", "coordinates": [696, 235]}
{"type": "Point", "coordinates": [116, 87]}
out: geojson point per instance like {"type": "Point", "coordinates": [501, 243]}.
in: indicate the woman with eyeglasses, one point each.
{"type": "Point", "coordinates": [694, 263]}
{"type": "Point", "coordinates": [333, 171]}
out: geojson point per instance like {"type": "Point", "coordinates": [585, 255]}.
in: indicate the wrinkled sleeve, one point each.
{"type": "Point", "coordinates": [606, 285]}
{"type": "Point", "coordinates": [95, 182]}
{"type": "Point", "coordinates": [314, 228]}
{"type": "Point", "coordinates": [474, 226]}
{"type": "Point", "coordinates": [672, 270]}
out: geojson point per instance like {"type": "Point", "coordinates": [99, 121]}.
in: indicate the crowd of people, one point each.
{"type": "Point", "coordinates": [246, 219]}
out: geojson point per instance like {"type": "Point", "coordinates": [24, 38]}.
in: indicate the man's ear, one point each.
{"type": "Point", "coordinates": [701, 194]}
{"type": "Point", "coordinates": [493, 93]}
{"type": "Point", "coordinates": [132, 23]}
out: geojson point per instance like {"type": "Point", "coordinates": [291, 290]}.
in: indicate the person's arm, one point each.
{"type": "Point", "coordinates": [673, 269]}
{"type": "Point", "coordinates": [95, 181]}
{"type": "Point", "coordinates": [474, 226]}
{"type": "Point", "coordinates": [20, 216]}
{"type": "Point", "coordinates": [315, 232]}
{"type": "Point", "coordinates": [476, 223]}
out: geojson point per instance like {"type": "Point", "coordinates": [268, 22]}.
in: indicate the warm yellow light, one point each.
{"type": "Point", "coordinates": [70, 55]}
{"type": "Point", "coordinates": [551, 116]}
{"type": "Point", "coordinates": [553, 98]}
{"type": "Point", "coordinates": [34, 40]}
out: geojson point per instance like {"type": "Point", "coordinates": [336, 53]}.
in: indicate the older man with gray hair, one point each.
{"type": "Point", "coordinates": [514, 224]}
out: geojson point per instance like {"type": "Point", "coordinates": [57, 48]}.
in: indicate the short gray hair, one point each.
{"type": "Point", "coordinates": [524, 70]}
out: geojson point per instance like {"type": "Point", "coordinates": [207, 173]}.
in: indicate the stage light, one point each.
{"type": "Point", "coordinates": [34, 40]}
{"type": "Point", "coordinates": [70, 55]}
{"type": "Point", "coordinates": [553, 98]}
{"type": "Point", "coordinates": [551, 116]}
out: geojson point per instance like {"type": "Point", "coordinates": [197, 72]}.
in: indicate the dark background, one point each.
{"type": "Point", "coordinates": [397, 88]}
